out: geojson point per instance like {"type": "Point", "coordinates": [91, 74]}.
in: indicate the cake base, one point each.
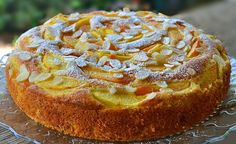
{"type": "Point", "coordinates": [169, 115]}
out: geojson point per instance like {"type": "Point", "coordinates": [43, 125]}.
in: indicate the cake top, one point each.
{"type": "Point", "coordinates": [121, 51]}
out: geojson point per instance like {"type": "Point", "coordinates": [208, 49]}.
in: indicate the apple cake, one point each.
{"type": "Point", "coordinates": [119, 75]}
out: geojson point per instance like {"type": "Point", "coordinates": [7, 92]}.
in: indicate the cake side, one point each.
{"type": "Point", "coordinates": [118, 76]}
{"type": "Point", "coordinates": [167, 114]}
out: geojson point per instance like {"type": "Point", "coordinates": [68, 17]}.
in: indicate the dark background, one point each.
{"type": "Point", "coordinates": [17, 16]}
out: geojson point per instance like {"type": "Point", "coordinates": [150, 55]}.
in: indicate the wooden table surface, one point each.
{"type": "Point", "coordinates": [218, 19]}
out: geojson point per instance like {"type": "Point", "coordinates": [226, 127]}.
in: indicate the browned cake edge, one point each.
{"type": "Point", "coordinates": [114, 124]}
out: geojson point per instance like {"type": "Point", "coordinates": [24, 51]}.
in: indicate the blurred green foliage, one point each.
{"type": "Point", "coordinates": [19, 15]}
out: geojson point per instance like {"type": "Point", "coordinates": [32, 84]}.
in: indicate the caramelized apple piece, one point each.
{"type": "Point", "coordinates": [52, 61]}
{"type": "Point", "coordinates": [142, 90]}
{"type": "Point", "coordinates": [102, 32]}
{"type": "Point", "coordinates": [47, 35]}
{"type": "Point", "coordinates": [117, 99]}
{"type": "Point", "coordinates": [65, 83]}
{"type": "Point", "coordinates": [112, 56]}
{"type": "Point", "coordinates": [81, 46]}
{"type": "Point", "coordinates": [110, 77]}
{"type": "Point", "coordinates": [95, 34]}
{"type": "Point", "coordinates": [144, 13]}
{"type": "Point", "coordinates": [123, 27]}
{"type": "Point", "coordinates": [175, 35]}
{"type": "Point", "coordinates": [123, 57]}
{"type": "Point", "coordinates": [153, 48]}
{"type": "Point", "coordinates": [70, 41]}
{"type": "Point", "coordinates": [138, 36]}
{"type": "Point", "coordinates": [83, 21]}
{"type": "Point", "coordinates": [160, 58]}
{"type": "Point", "coordinates": [179, 85]}
{"type": "Point", "coordinates": [193, 52]}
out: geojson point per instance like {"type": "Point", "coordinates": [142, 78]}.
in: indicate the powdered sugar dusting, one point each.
{"type": "Point", "coordinates": [141, 56]}
{"type": "Point", "coordinates": [122, 44]}
{"type": "Point", "coordinates": [73, 71]}
{"type": "Point", "coordinates": [142, 74]}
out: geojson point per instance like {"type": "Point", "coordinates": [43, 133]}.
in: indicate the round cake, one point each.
{"type": "Point", "coordinates": [118, 76]}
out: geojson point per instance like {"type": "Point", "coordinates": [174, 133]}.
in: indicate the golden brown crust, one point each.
{"type": "Point", "coordinates": [114, 124]}
{"type": "Point", "coordinates": [93, 76]}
